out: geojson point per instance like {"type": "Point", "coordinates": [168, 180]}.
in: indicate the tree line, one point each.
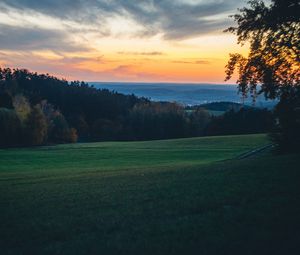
{"type": "Point", "coordinates": [38, 109]}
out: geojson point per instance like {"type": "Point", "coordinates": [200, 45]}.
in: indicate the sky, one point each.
{"type": "Point", "coordinates": [120, 40]}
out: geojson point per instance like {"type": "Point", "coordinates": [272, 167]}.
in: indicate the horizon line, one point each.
{"type": "Point", "coordinates": [176, 83]}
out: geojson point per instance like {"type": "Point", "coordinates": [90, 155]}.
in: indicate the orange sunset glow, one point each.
{"type": "Point", "coordinates": [145, 41]}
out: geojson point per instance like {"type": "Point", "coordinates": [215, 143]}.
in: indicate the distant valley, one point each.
{"type": "Point", "coordinates": [187, 94]}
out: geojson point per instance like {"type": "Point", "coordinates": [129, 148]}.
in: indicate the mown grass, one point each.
{"type": "Point", "coordinates": [149, 198]}
{"type": "Point", "coordinates": [112, 156]}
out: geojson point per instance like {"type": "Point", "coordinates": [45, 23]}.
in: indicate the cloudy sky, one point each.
{"type": "Point", "coordinates": [119, 40]}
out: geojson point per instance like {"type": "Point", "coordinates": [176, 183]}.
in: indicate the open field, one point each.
{"type": "Point", "coordinates": [113, 156]}
{"type": "Point", "coordinates": [180, 196]}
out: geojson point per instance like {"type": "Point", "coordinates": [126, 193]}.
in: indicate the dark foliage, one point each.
{"type": "Point", "coordinates": [219, 106]}
{"type": "Point", "coordinates": [288, 118]}
{"type": "Point", "coordinates": [243, 121]}
{"type": "Point", "coordinates": [273, 61]}
{"type": "Point", "coordinates": [41, 109]}
{"type": "Point", "coordinates": [51, 110]}
{"type": "Point", "coordinates": [158, 121]}
{"type": "Point", "coordinates": [10, 128]}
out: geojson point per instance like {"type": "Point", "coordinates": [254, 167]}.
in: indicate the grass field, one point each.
{"type": "Point", "coordinates": [185, 196]}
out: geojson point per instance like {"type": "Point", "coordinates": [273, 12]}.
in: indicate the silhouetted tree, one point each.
{"type": "Point", "coordinates": [59, 130]}
{"type": "Point", "coordinates": [5, 99]}
{"type": "Point", "coordinates": [103, 129]}
{"type": "Point", "coordinates": [158, 121]}
{"type": "Point", "coordinates": [273, 61]}
{"type": "Point", "coordinates": [243, 121]}
{"type": "Point", "coordinates": [10, 128]}
{"type": "Point", "coordinates": [199, 119]}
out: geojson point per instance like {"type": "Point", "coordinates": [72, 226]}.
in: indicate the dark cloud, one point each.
{"type": "Point", "coordinates": [21, 38]}
{"type": "Point", "coordinates": [197, 62]}
{"type": "Point", "coordinates": [175, 19]}
{"type": "Point", "coordinates": [179, 19]}
{"type": "Point", "coordinates": [57, 8]}
{"type": "Point", "coordinates": [121, 69]}
{"type": "Point", "coordinates": [75, 61]}
{"type": "Point", "coordinates": [150, 53]}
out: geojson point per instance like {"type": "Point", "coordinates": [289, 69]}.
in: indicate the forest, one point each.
{"type": "Point", "coordinates": [37, 109]}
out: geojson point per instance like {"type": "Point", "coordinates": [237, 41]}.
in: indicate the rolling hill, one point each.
{"type": "Point", "coordinates": [184, 196]}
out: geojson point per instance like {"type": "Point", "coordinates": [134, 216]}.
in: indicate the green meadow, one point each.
{"type": "Point", "coordinates": [183, 196]}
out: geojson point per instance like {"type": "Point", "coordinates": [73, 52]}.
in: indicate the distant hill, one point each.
{"type": "Point", "coordinates": [186, 94]}
{"type": "Point", "coordinates": [223, 106]}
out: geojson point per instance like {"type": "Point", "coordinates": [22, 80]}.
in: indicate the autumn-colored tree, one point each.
{"type": "Point", "coordinates": [36, 127]}
{"type": "Point", "coordinates": [21, 106]}
{"type": "Point", "coordinates": [72, 135]}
